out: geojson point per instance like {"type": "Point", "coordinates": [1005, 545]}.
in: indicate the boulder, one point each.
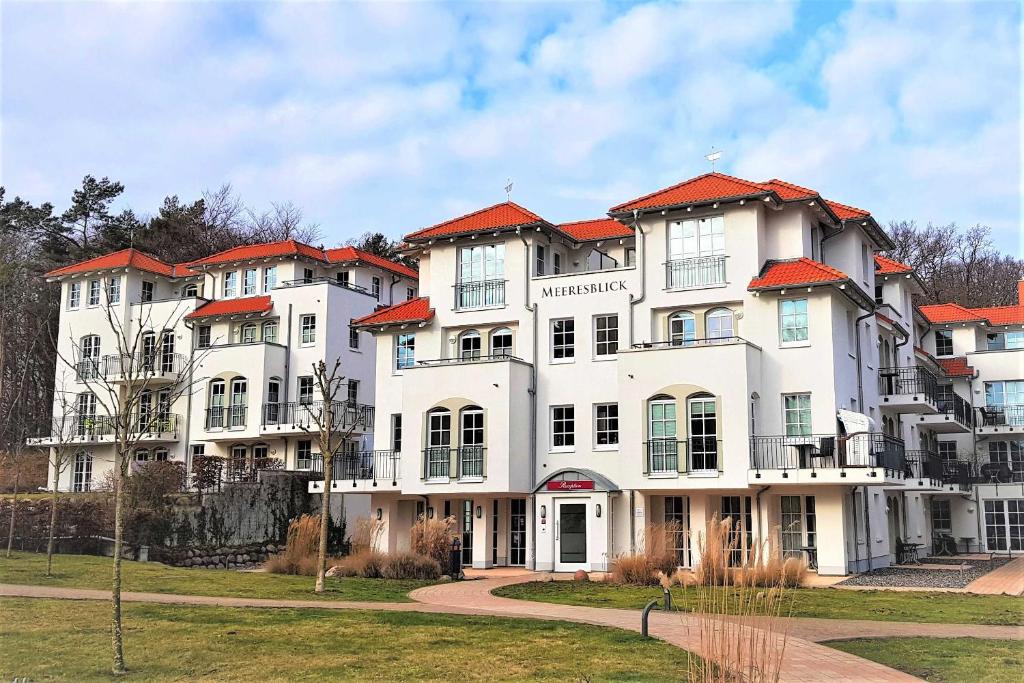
{"type": "Point", "coordinates": [581, 576]}
{"type": "Point", "coordinates": [334, 571]}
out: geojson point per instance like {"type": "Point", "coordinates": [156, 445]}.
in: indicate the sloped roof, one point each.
{"type": "Point", "coordinates": [264, 250]}
{"type": "Point", "coordinates": [126, 258]}
{"type": "Point", "coordinates": [346, 254]}
{"type": "Point", "coordinates": [707, 187]}
{"type": "Point", "coordinates": [795, 272]}
{"type": "Point", "coordinates": [950, 313]}
{"type": "Point", "coordinates": [887, 266]}
{"type": "Point", "coordinates": [243, 306]}
{"type": "Point", "coordinates": [596, 229]}
{"type": "Point", "coordinates": [1002, 315]}
{"type": "Point", "coordinates": [846, 212]}
{"type": "Point", "coordinates": [503, 215]}
{"type": "Point", "coordinates": [789, 191]}
{"type": "Point", "coordinates": [413, 310]}
{"type": "Point", "coordinates": [955, 367]}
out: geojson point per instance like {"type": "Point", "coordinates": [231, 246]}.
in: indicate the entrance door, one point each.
{"type": "Point", "coordinates": [1004, 524]}
{"type": "Point", "coordinates": [571, 537]}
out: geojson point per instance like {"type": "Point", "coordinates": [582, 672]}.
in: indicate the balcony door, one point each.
{"type": "Point", "coordinates": [663, 449]}
{"type": "Point", "coordinates": [703, 440]}
{"type": "Point", "coordinates": [696, 250]}
{"type": "Point", "coordinates": [481, 269]}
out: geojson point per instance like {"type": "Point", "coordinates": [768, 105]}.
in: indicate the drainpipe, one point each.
{"type": "Point", "coordinates": [757, 500]}
{"type": "Point", "coordinates": [391, 289]}
{"type": "Point", "coordinates": [641, 262]}
{"type": "Point", "coordinates": [188, 402]}
{"type": "Point", "coordinates": [856, 546]}
{"type": "Point", "coordinates": [632, 523]}
{"type": "Point", "coordinates": [867, 526]}
{"type": "Point", "coordinates": [288, 357]}
{"type": "Point", "coordinates": [860, 364]}
{"type": "Point", "coordinates": [532, 391]}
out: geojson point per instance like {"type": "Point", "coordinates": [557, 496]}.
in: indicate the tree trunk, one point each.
{"type": "Point", "coordinates": [325, 515]}
{"type": "Point", "coordinates": [14, 507]}
{"type": "Point", "coordinates": [115, 631]}
{"type": "Point", "coordinates": [53, 521]}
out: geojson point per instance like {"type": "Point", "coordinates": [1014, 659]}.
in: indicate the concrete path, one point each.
{"type": "Point", "coordinates": [1006, 580]}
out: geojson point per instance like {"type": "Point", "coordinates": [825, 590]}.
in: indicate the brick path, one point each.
{"type": "Point", "coordinates": [1006, 580]}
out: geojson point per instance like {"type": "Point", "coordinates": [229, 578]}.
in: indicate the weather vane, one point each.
{"type": "Point", "coordinates": [713, 156]}
{"type": "Point", "coordinates": [508, 190]}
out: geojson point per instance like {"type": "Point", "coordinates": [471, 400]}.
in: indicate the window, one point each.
{"type": "Point", "coordinates": [541, 259]}
{"type": "Point", "coordinates": [375, 287]}
{"type": "Point", "coordinates": [696, 250]}
{"type": "Point", "coordinates": [563, 427]}
{"type": "Point", "coordinates": [796, 410]}
{"type": "Point", "coordinates": [305, 390]}
{"type": "Point", "coordinates": [799, 526]}
{"type": "Point", "coordinates": [396, 432]}
{"type": "Point", "coordinates": [74, 295]}
{"type": "Point", "coordinates": [114, 290]}
{"type": "Point", "coordinates": [239, 399]}
{"type": "Point", "coordinates": [272, 409]}
{"type": "Point", "coordinates": [677, 515]}
{"type": "Point", "coordinates": [405, 351]}
{"type": "Point", "coordinates": [878, 293]}
{"type": "Point", "coordinates": [947, 451]}
{"type": "Point", "coordinates": [793, 320]}
{"type": "Point", "coordinates": [86, 413]}
{"type": "Point", "coordinates": [720, 324]}
{"type": "Point", "coordinates": [682, 328]}
{"type": "Point", "coordinates": [1009, 453]}
{"type": "Point", "coordinates": [344, 278]}
{"type": "Point", "coordinates": [606, 335]}
{"type": "Point", "coordinates": [304, 454]}
{"type": "Point", "coordinates": [307, 329]}
{"type": "Point", "coordinates": [703, 433]}
{"type": "Point", "coordinates": [249, 282]}
{"type": "Point", "coordinates": [563, 339]}
{"type": "Point", "coordinates": [740, 510]}
{"type": "Point", "coordinates": [556, 263]}
{"type": "Point", "coordinates": [215, 406]}
{"type": "Point", "coordinates": [1000, 341]}
{"type": "Point", "coordinates": [866, 261]}
{"type": "Point", "coordinates": [943, 342]}
{"type": "Point", "coordinates": [247, 335]}
{"type": "Point", "coordinates": [469, 345]}
{"type": "Point", "coordinates": [481, 276]}
{"type": "Point", "coordinates": [471, 442]}
{"type": "Point", "coordinates": [353, 337]}
{"type": "Point", "coordinates": [307, 275]}
{"type": "Point", "coordinates": [141, 455]}
{"type": "Point", "coordinates": [270, 331]}
{"type": "Point", "coordinates": [94, 293]}
{"type": "Point", "coordinates": [606, 424]}
{"type": "Point", "coordinates": [439, 427]}
{"type": "Point", "coordinates": [269, 278]}
{"type": "Point", "coordinates": [147, 290]}
{"type": "Point", "coordinates": [189, 291]}
{"type": "Point", "coordinates": [353, 391]}
{"type": "Point", "coordinates": [231, 284]}
{"type": "Point", "coordinates": [501, 342]}
{"type": "Point", "coordinates": [942, 515]}
{"type": "Point", "coordinates": [410, 292]}
{"type": "Point", "coordinates": [1004, 393]}
{"type": "Point", "coordinates": [203, 340]}
{"type": "Point", "coordinates": [631, 257]}
{"type": "Point", "coordinates": [83, 473]}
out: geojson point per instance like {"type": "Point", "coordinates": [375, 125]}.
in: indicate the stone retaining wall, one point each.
{"type": "Point", "coordinates": [221, 557]}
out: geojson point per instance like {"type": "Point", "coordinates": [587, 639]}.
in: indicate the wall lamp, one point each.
{"type": "Point", "coordinates": [479, 512]}
{"type": "Point", "coordinates": [597, 510]}
{"type": "Point", "coordinates": [380, 514]}
{"type": "Point", "coordinates": [543, 514]}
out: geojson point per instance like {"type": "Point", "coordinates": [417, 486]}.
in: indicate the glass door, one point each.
{"type": "Point", "coordinates": [571, 536]}
{"type": "Point", "coordinates": [517, 532]}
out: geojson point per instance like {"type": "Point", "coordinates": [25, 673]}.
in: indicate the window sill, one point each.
{"type": "Point", "coordinates": [705, 474]}
{"type": "Point", "coordinates": [436, 481]}
{"type": "Point", "coordinates": [471, 480]}
{"type": "Point", "coordinates": [562, 361]}
{"type": "Point", "coordinates": [562, 450]}
{"type": "Point", "coordinates": [602, 359]}
{"type": "Point", "coordinates": [606, 449]}
{"type": "Point", "coordinates": [663, 475]}
{"type": "Point", "coordinates": [794, 345]}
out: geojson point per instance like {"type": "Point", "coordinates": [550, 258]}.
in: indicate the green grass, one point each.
{"type": "Point", "coordinates": [826, 603]}
{"type": "Point", "coordinates": [943, 659]}
{"type": "Point", "coordinates": [86, 571]}
{"type": "Point", "coordinates": [53, 639]}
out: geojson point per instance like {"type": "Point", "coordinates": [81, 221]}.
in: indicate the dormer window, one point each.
{"type": "Point", "coordinates": [147, 290]}
{"type": "Point", "coordinates": [269, 278]}
{"type": "Point", "coordinates": [481, 277]}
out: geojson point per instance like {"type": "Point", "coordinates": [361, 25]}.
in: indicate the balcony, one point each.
{"type": "Point", "coordinates": [306, 416]}
{"type": "Point", "coordinates": [695, 273]}
{"type": "Point", "coordinates": [868, 458]}
{"type": "Point", "coordinates": [368, 467]}
{"type": "Point", "coordinates": [1007, 419]}
{"type": "Point", "coordinates": [908, 390]}
{"type": "Point", "coordinates": [924, 470]}
{"type": "Point", "coordinates": [953, 415]}
{"type": "Point", "coordinates": [226, 417]}
{"type": "Point", "coordinates": [444, 463]}
{"type": "Point", "coordinates": [668, 458]}
{"type": "Point", "coordinates": [957, 475]}
{"type": "Point", "coordinates": [152, 368]}
{"type": "Point", "coordinates": [99, 429]}
{"type": "Point", "coordinates": [479, 294]}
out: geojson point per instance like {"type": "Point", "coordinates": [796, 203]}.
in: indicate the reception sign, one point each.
{"type": "Point", "coordinates": [581, 485]}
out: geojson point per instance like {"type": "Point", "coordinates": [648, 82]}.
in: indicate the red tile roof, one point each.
{"type": "Point", "coordinates": [596, 229]}
{"type": "Point", "coordinates": [504, 215]}
{"type": "Point", "coordinates": [1002, 315]}
{"type": "Point", "coordinates": [788, 191]}
{"type": "Point", "coordinates": [950, 313]}
{"type": "Point", "coordinates": [886, 266]}
{"type": "Point", "coordinates": [955, 367]}
{"type": "Point", "coordinates": [845, 212]}
{"type": "Point", "coordinates": [884, 318]}
{"type": "Point", "coordinates": [258, 251]}
{"type": "Point", "coordinates": [413, 310]}
{"type": "Point", "coordinates": [126, 258]}
{"type": "Point", "coordinates": [251, 304]}
{"type": "Point", "coordinates": [795, 272]}
{"type": "Point", "coordinates": [347, 254]}
{"type": "Point", "coordinates": [707, 187]}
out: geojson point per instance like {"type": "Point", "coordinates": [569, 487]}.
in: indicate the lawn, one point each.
{"type": "Point", "coordinates": [86, 571]}
{"type": "Point", "coordinates": [943, 659]}
{"type": "Point", "coordinates": [48, 639]}
{"type": "Point", "coordinates": [827, 603]}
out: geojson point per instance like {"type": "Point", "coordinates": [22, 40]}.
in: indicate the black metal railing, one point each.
{"type": "Point", "coordinates": [247, 470]}
{"type": "Point", "coordinates": [711, 341]}
{"type": "Point", "coordinates": [470, 462]}
{"type": "Point", "coordinates": [957, 408]}
{"type": "Point", "coordinates": [130, 365]}
{"type": "Point", "coordinates": [227, 417]}
{"type": "Point", "coordinates": [828, 451]}
{"type": "Point", "coordinates": [923, 464]}
{"type": "Point", "coordinates": [470, 358]}
{"type": "Point", "coordinates": [309, 415]}
{"type": "Point", "coordinates": [445, 462]}
{"type": "Point", "coordinates": [361, 466]}
{"type": "Point", "coordinates": [1001, 416]}
{"type": "Point", "coordinates": [91, 427]}
{"type": "Point", "coordinates": [903, 381]}
{"type": "Point", "coordinates": [958, 474]}
{"type": "Point", "coordinates": [320, 278]}
{"type": "Point", "coordinates": [479, 294]}
{"type": "Point", "coordinates": [682, 456]}
{"type": "Point", "coordinates": [701, 271]}
{"type": "Point", "coordinates": [1000, 472]}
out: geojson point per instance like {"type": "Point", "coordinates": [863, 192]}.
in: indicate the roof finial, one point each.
{"type": "Point", "coordinates": [713, 156]}
{"type": "Point", "coordinates": [508, 190]}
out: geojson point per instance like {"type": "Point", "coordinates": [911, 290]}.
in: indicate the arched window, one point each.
{"type": "Point", "coordinates": [720, 324]}
{"type": "Point", "coordinates": [167, 351]}
{"type": "Point", "coordinates": [703, 433]}
{"type": "Point", "coordinates": [189, 291]}
{"type": "Point", "coordinates": [86, 412]}
{"type": "Point", "coordinates": [270, 331]}
{"type": "Point", "coordinates": [82, 475]}
{"type": "Point", "coordinates": [501, 342]}
{"type": "Point", "coordinates": [247, 335]}
{"type": "Point", "coordinates": [148, 343]}
{"type": "Point", "coordinates": [142, 455]}
{"type": "Point", "coordinates": [469, 345]}
{"type": "Point", "coordinates": [272, 410]}
{"type": "Point", "coordinates": [239, 401]}
{"type": "Point", "coordinates": [215, 405]}
{"type": "Point", "coordinates": [682, 328]}
{"type": "Point", "coordinates": [89, 364]}
{"type": "Point", "coordinates": [662, 443]}
{"type": "Point", "coordinates": [439, 439]}
{"type": "Point", "coordinates": [471, 442]}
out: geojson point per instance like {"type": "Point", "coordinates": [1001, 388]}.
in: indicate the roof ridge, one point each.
{"type": "Point", "coordinates": [791, 185]}
{"type": "Point", "coordinates": [507, 202]}
{"type": "Point", "coordinates": [291, 241]}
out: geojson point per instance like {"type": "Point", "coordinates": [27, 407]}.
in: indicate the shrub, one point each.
{"type": "Point", "coordinates": [635, 569]}
{"type": "Point", "coordinates": [656, 557]}
{"type": "Point", "coordinates": [299, 556]}
{"type": "Point", "coordinates": [433, 538]}
{"type": "Point", "coordinates": [366, 535]}
{"type": "Point", "coordinates": [410, 566]}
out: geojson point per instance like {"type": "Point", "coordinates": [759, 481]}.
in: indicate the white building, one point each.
{"type": "Point", "coordinates": [248, 322]}
{"type": "Point", "coordinates": [713, 347]}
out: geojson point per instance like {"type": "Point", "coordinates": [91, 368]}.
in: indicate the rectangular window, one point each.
{"type": "Point", "coordinates": [556, 263]}
{"type": "Point", "coordinates": [878, 293]}
{"type": "Point", "coordinates": [353, 391]}
{"type": "Point", "coordinates": [606, 424]}
{"type": "Point", "coordinates": [606, 335]}
{"type": "Point", "coordinates": [353, 337]}
{"type": "Point", "coordinates": [249, 282]}
{"type": "Point", "coordinates": [563, 427]}
{"type": "Point", "coordinates": [943, 342]}
{"type": "Point", "coordinates": [305, 390]}
{"type": "Point", "coordinates": [405, 351]}
{"type": "Point", "coordinates": [231, 284]}
{"type": "Point", "coordinates": [74, 295]}
{"type": "Point", "coordinates": [83, 472]}
{"type": "Point", "coordinates": [563, 339]}
{"type": "Point", "coordinates": [396, 432]}
{"type": "Point", "coordinates": [866, 262]}
{"type": "Point", "coordinates": [947, 450]}
{"type": "Point", "coordinates": [147, 290]}
{"type": "Point", "coordinates": [114, 290]}
{"type": "Point", "coordinates": [307, 275]}
{"type": "Point", "coordinates": [797, 414]}
{"type": "Point", "coordinates": [542, 258]}
{"type": "Point", "coordinates": [481, 280]}
{"type": "Point", "coordinates": [375, 287]}
{"type": "Point", "coordinates": [269, 278]}
{"type": "Point", "coordinates": [793, 320]}
{"type": "Point", "coordinates": [304, 455]}
{"type": "Point", "coordinates": [203, 340]}
{"type": "Point", "coordinates": [1009, 393]}
{"type": "Point", "coordinates": [344, 278]}
{"type": "Point", "coordinates": [270, 331]}
{"type": "Point", "coordinates": [94, 293]}
{"type": "Point", "coordinates": [410, 292]}
{"type": "Point", "coordinates": [942, 515]}
{"type": "Point", "coordinates": [307, 329]}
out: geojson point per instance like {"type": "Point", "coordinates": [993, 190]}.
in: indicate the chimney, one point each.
{"type": "Point", "coordinates": [1020, 292]}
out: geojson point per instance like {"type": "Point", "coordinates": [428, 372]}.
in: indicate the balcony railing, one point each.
{"type": "Point", "coordinates": [93, 427]}
{"type": "Point", "coordinates": [469, 462]}
{"type": "Point", "coordinates": [827, 451]}
{"type": "Point", "coordinates": [958, 408]}
{"type": "Point", "coordinates": [227, 417]}
{"type": "Point", "coordinates": [137, 365]}
{"type": "Point", "coordinates": [682, 456]}
{"type": "Point", "coordinates": [305, 415]}
{"type": "Point", "coordinates": [1000, 472]}
{"type": "Point", "coordinates": [902, 381]}
{"type": "Point", "coordinates": [320, 278]}
{"type": "Point", "coordinates": [480, 294]}
{"type": "Point", "coordinates": [362, 466]}
{"type": "Point", "coordinates": [470, 358]}
{"type": "Point", "coordinates": [701, 271]}
{"type": "Point", "coordinates": [668, 343]}
{"type": "Point", "coordinates": [1001, 416]}
{"type": "Point", "coordinates": [238, 470]}
{"type": "Point", "coordinates": [922, 464]}
{"type": "Point", "coordinates": [957, 473]}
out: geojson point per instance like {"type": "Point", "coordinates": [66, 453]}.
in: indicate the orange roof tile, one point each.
{"type": "Point", "coordinates": [1002, 315]}
{"type": "Point", "coordinates": [887, 266]}
{"type": "Point", "coordinates": [596, 229]}
{"type": "Point", "coordinates": [955, 367]}
{"type": "Point", "coordinates": [257, 251]}
{"type": "Point", "coordinates": [845, 212]}
{"type": "Point", "coordinates": [884, 318]}
{"type": "Point", "coordinates": [950, 313]}
{"type": "Point", "coordinates": [346, 254]}
{"type": "Point", "coordinates": [707, 187]}
{"type": "Point", "coordinates": [788, 191]}
{"type": "Point", "coordinates": [251, 304]}
{"type": "Point", "coordinates": [795, 272]}
{"type": "Point", "coordinates": [504, 215]}
{"type": "Point", "coordinates": [126, 258]}
{"type": "Point", "coordinates": [413, 310]}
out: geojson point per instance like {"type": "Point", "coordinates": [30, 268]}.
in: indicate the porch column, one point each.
{"type": "Point", "coordinates": [483, 533]}
{"type": "Point", "coordinates": [831, 530]}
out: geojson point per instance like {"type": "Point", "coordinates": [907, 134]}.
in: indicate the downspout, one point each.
{"type": "Point", "coordinates": [391, 289]}
{"type": "Point", "coordinates": [867, 526]}
{"type": "Point", "coordinates": [856, 546]}
{"type": "Point", "coordinates": [860, 364]}
{"type": "Point", "coordinates": [532, 308]}
{"type": "Point", "coordinates": [641, 262]}
{"type": "Point", "coordinates": [288, 357]}
{"type": "Point", "coordinates": [188, 402]}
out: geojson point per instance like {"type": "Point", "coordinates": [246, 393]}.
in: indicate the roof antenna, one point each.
{"type": "Point", "coordinates": [508, 190]}
{"type": "Point", "coordinates": [713, 156]}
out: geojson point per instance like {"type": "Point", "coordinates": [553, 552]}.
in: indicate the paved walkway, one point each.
{"type": "Point", "coordinates": [1006, 580]}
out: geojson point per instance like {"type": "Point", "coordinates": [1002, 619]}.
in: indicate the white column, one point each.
{"type": "Point", "coordinates": [483, 532]}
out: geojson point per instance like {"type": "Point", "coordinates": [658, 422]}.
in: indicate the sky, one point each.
{"type": "Point", "coordinates": [392, 116]}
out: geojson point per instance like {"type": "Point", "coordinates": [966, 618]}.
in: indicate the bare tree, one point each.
{"type": "Point", "coordinates": [64, 431]}
{"type": "Point", "coordinates": [335, 421]}
{"type": "Point", "coordinates": [282, 222]}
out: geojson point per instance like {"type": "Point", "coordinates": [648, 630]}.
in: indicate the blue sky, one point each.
{"type": "Point", "coordinates": [390, 116]}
